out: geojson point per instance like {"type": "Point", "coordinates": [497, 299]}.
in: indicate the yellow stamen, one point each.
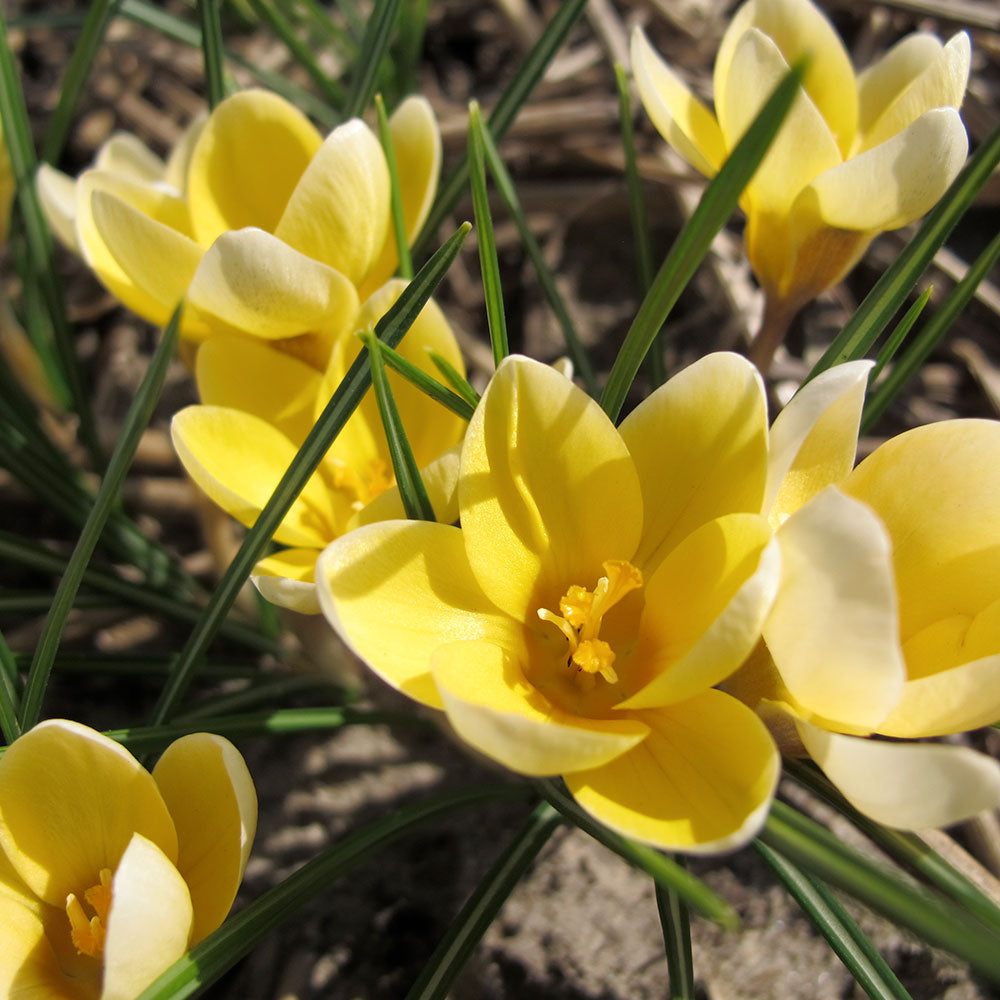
{"type": "Point", "coordinates": [88, 932]}
{"type": "Point", "coordinates": [582, 614]}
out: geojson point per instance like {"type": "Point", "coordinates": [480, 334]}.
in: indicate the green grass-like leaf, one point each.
{"type": "Point", "coordinates": [503, 115]}
{"type": "Point", "coordinates": [930, 334]}
{"type": "Point", "coordinates": [505, 185]}
{"type": "Point", "coordinates": [412, 491]}
{"type": "Point", "coordinates": [212, 50]}
{"type": "Point", "coordinates": [99, 15]}
{"type": "Point", "coordinates": [930, 915]}
{"type": "Point", "coordinates": [488, 262]}
{"type": "Point", "coordinates": [398, 222]}
{"type": "Point", "coordinates": [663, 870]}
{"type": "Point", "coordinates": [891, 290]}
{"type": "Point", "coordinates": [481, 908]}
{"type": "Point", "coordinates": [133, 426]}
{"type": "Point", "coordinates": [207, 961]}
{"type": "Point", "coordinates": [844, 936]}
{"type": "Point", "coordinates": [10, 694]}
{"type": "Point", "coordinates": [391, 328]}
{"type": "Point", "coordinates": [459, 405]}
{"type": "Point", "coordinates": [675, 920]}
{"type": "Point", "coordinates": [899, 333]}
{"type": "Point", "coordinates": [374, 48]}
{"type": "Point", "coordinates": [455, 379]}
{"type": "Point", "coordinates": [715, 207]}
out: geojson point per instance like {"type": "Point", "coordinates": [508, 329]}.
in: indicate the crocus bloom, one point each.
{"type": "Point", "coordinates": [886, 618]}
{"type": "Point", "coordinates": [259, 406]}
{"type": "Point", "coordinates": [601, 582]}
{"type": "Point", "coordinates": [108, 874]}
{"type": "Point", "coordinates": [267, 228]}
{"type": "Point", "coordinates": [855, 156]}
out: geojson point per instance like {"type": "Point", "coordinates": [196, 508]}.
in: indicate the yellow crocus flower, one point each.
{"type": "Point", "coordinates": [601, 582]}
{"type": "Point", "coordinates": [108, 874]}
{"type": "Point", "coordinates": [857, 154]}
{"type": "Point", "coordinates": [266, 228]}
{"type": "Point", "coordinates": [258, 406]}
{"type": "Point", "coordinates": [886, 620]}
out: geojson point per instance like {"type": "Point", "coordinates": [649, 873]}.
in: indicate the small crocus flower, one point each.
{"type": "Point", "coordinates": [857, 154]}
{"type": "Point", "coordinates": [258, 406]}
{"type": "Point", "coordinates": [265, 227]}
{"type": "Point", "coordinates": [601, 583]}
{"type": "Point", "coordinates": [885, 622]}
{"type": "Point", "coordinates": [108, 873]}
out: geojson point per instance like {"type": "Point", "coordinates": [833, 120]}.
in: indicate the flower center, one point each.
{"type": "Point", "coordinates": [88, 932]}
{"type": "Point", "coordinates": [582, 612]}
{"type": "Point", "coordinates": [364, 486]}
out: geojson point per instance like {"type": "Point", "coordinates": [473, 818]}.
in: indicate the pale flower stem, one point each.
{"type": "Point", "coordinates": [778, 316]}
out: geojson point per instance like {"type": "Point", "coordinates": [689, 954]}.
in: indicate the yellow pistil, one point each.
{"type": "Point", "coordinates": [88, 933]}
{"type": "Point", "coordinates": [580, 621]}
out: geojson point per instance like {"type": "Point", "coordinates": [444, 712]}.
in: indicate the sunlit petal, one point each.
{"type": "Point", "coordinates": [288, 579]}
{"type": "Point", "coordinates": [96, 795]}
{"type": "Point", "coordinates": [57, 194]}
{"type": "Point", "coordinates": [699, 443]}
{"type": "Point", "coordinates": [548, 490]}
{"type": "Point", "coordinates": [28, 966]}
{"type": "Point", "coordinates": [207, 788]}
{"type": "Point", "coordinates": [128, 156]}
{"type": "Point", "coordinates": [909, 786]}
{"type": "Point", "coordinates": [832, 631]}
{"type": "Point", "coordinates": [701, 781]}
{"type": "Point", "coordinates": [397, 590]}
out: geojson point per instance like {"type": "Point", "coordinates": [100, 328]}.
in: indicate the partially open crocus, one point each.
{"type": "Point", "coordinates": [108, 873]}
{"type": "Point", "coordinates": [857, 154]}
{"type": "Point", "coordinates": [601, 582]}
{"type": "Point", "coordinates": [886, 620]}
{"type": "Point", "coordinates": [266, 228]}
{"type": "Point", "coordinates": [259, 404]}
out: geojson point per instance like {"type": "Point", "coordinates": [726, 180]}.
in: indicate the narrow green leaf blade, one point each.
{"type": "Point", "coordinates": [458, 382]}
{"type": "Point", "coordinates": [398, 222]}
{"type": "Point", "coordinates": [374, 47]}
{"type": "Point", "coordinates": [716, 206]}
{"type": "Point", "coordinates": [676, 923]}
{"type": "Point", "coordinates": [10, 694]}
{"type": "Point", "coordinates": [899, 333]}
{"type": "Point", "coordinates": [211, 47]}
{"type": "Point", "coordinates": [428, 385]}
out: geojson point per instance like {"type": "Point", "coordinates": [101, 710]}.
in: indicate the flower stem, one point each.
{"type": "Point", "coordinates": [778, 316]}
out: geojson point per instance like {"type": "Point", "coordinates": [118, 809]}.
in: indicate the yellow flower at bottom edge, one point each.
{"type": "Point", "coordinates": [887, 620]}
{"type": "Point", "coordinates": [258, 405]}
{"type": "Point", "coordinates": [856, 155]}
{"type": "Point", "coordinates": [108, 874]}
{"type": "Point", "coordinates": [601, 582]}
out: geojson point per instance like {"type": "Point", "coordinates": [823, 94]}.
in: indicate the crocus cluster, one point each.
{"type": "Point", "coordinates": [108, 874]}
{"type": "Point", "coordinates": [857, 154]}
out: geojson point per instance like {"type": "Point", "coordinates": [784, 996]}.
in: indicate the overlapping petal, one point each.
{"type": "Point", "coordinates": [700, 782]}
{"type": "Point", "coordinates": [548, 490]}
{"type": "Point", "coordinates": [288, 579]}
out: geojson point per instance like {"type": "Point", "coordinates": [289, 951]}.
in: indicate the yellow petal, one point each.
{"type": "Point", "coordinates": [416, 141]}
{"type": "Point", "coordinates": [705, 606]}
{"type": "Point", "coordinates": [886, 78]}
{"type": "Point", "coordinates": [149, 923]}
{"type": "Point", "coordinates": [832, 631]}
{"type": "Point", "coordinates": [178, 163]}
{"type": "Point", "coordinates": [440, 478]}
{"type": "Point", "coordinates": [339, 210]}
{"type": "Point", "coordinates": [701, 782]}
{"type": "Point", "coordinates": [815, 437]}
{"type": "Point", "coordinates": [908, 786]}
{"type": "Point", "coordinates": [798, 28]}
{"type": "Point", "coordinates": [207, 788]}
{"type": "Point", "coordinates": [288, 579]}
{"type": "Point", "coordinates": [680, 117]}
{"type": "Point", "coordinates": [937, 490]}
{"type": "Point", "coordinates": [145, 262]}
{"type": "Point", "coordinates": [128, 156]}
{"type": "Point", "coordinates": [251, 282]}
{"type": "Point", "coordinates": [548, 490]}
{"type": "Point", "coordinates": [244, 374]}
{"type": "Point", "coordinates": [28, 965]}
{"type": "Point", "coordinates": [430, 428]}
{"type": "Point", "coordinates": [941, 84]}
{"type": "Point", "coordinates": [57, 195]}
{"type": "Point", "coordinates": [248, 158]}
{"type": "Point", "coordinates": [948, 701]}
{"type": "Point", "coordinates": [804, 146]}
{"type": "Point", "coordinates": [397, 590]}
{"type": "Point", "coordinates": [237, 460]}
{"type": "Point", "coordinates": [700, 445]}
{"type": "Point", "coordinates": [494, 708]}
{"type": "Point", "coordinates": [70, 801]}
{"type": "Point", "coordinates": [895, 182]}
